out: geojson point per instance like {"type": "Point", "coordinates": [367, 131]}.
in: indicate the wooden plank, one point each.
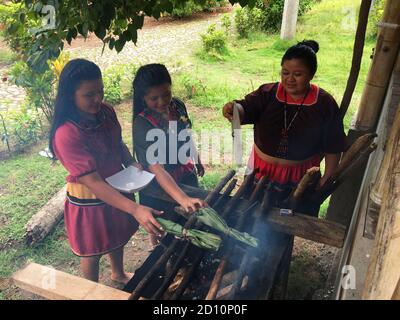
{"type": "Point", "coordinates": [56, 285]}
{"type": "Point", "coordinates": [307, 227]}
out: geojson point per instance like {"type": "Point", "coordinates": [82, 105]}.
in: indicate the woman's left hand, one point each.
{"type": "Point", "coordinates": [137, 165]}
{"type": "Point", "coordinates": [192, 204]}
{"type": "Point", "coordinates": [200, 169]}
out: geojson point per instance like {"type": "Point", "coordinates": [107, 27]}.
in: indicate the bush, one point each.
{"type": "Point", "coordinates": [248, 20]}
{"type": "Point", "coordinates": [23, 126]}
{"type": "Point", "coordinates": [265, 16]}
{"type": "Point", "coordinates": [375, 16]}
{"type": "Point", "coordinates": [226, 23]}
{"type": "Point", "coordinates": [39, 87]}
{"type": "Point", "coordinates": [112, 85]}
{"type": "Point", "coordinates": [214, 42]}
{"type": "Point", "coordinates": [185, 9]}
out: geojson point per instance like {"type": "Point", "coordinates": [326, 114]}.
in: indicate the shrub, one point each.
{"type": "Point", "coordinates": [265, 16]}
{"type": "Point", "coordinates": [226, 23]}
{"type": "Point", "coordinates": [187, 8]}
{"type": "Point", "coordinates": [248, 20]}
{"type": "Point", "coordinates": [112, 86]}
{"type": "Point", "coordinates": [24, 126]}
{"type": "Point", "coordinates": [39, 87]}
{"type": "Point", "coordinates": [375, 16]}
{"type": "Point", "coordinates": [214, 42]}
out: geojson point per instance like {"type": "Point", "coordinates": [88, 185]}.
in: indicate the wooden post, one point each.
{"type": "Point", "coordinates": [383, 271]}
{"type": "Point", "coordinates": [343, 200]}
{"type": "Point", "coordinates": [376, 194]}
{"type": "Point", "coordinates": [289, 19]}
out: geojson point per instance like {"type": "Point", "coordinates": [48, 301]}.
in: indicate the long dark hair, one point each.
{"type": "Point", "coordinates": [71, 77]}
{"type": "Point", "coordinates": [147, 76]}
{"type": "Point", "coordinates": [306, 51]}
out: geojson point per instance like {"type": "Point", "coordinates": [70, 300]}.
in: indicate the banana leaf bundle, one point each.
{"type": "Point", "coordinates": [201, 239]}
{"type": "Point", "coordinates": [211, 218]}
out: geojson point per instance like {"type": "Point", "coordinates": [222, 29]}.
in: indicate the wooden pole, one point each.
{"type": "Point", "coordinates": [289, 19]}
{"type": "Point", "coordinates": [383, 271]}
{"type": "Point", "coordinates": [357, 55]}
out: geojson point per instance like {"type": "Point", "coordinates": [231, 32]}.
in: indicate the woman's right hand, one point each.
{"type": "Point", "coordinates": [227, 111]}
{"type": "Point", "coordinates": [144, 216]}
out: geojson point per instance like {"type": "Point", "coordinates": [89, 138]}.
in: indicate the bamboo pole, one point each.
{"type": "Point", "coordinates": [386, 51]}
{"type": "Point", "coordinates": [383, 271]}
{"type": "Point", "coordinates": [377, 191]}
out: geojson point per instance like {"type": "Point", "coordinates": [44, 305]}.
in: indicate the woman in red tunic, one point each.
{"type": "Point", "coordinates": [296, 123]}
{"type": "Point", "coordinates": [86, 137]}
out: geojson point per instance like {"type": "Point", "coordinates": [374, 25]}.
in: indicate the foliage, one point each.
{"type": "Point", "coordinates": [114, 22]}
{"type": "Point", "coordinates": [214, 42]}
{"type": "Point", "coordinates": [23, 126]}
{"type": "Point", "coordinates": [226, 23]}
{"type": "Point", "coordinates": [266, 16]}
{"type": "Point", "coordinates": [375, 16]}
{"type": "Point", "coordinates": [186, 8]}
{"type": "Point", "coordinates": [248, 20]}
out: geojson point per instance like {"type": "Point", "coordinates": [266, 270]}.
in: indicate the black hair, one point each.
{"type": "Point", "coordinates": [306, 51]}
{"type": "Point", "coordinates": [147, 76]}
{"type": "Point", "coordinates": [71, 77]}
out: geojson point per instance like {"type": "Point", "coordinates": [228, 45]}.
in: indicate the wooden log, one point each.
{"type": "Point", "coordinates": [56, 285]}
{"type": "Point", "coordinates": [357, 56]}
{"type": "Point", "coordinates": [383, 271]}
{"type": "Point", "coordinates": [307, 182]}
{"type": "Point", "coordinates": [41, 224]}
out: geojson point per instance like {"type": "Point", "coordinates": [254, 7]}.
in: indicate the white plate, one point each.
{"type": "Point", "coordinates": [130, 179]}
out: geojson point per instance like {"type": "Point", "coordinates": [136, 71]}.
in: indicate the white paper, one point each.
{"type": "Point", "coordinates": [130, 179]}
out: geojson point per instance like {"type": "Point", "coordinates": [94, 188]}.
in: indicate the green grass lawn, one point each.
{"type": "Point", "coordinates": [28, 181]}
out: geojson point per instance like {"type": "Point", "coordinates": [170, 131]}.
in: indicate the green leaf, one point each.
{"type": "Point", "coordinates": [119, 44]}
{"type": "Point", "coordinates": [100, 32]}
{"type": "Point", "coordinates": [138, 22]}
{"type": "Point", "coordinates": [111, 43]}
{"type": "Point", "coordinates": [22, 17]}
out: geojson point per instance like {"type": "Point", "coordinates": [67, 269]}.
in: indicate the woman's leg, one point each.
{"type": "Point", "coordinates": [90, 268]}
{"type": "Point", "coordinates": [117, 266]}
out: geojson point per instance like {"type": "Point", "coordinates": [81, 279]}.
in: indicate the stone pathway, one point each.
{"type": "Point", "coordinates": [169, 42]}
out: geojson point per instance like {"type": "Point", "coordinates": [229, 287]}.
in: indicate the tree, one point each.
{"type": "Point", "coordinates": [115, 22]}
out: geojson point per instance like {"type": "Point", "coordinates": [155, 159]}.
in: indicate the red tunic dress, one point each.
{"type": "Point", "coordinates": [93, 227]}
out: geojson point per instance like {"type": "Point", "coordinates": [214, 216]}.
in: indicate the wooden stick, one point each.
{"type": "Point", "coordinates": [171, 275]}
{"type": "Point", "coordinates": [357, 56]}
{"type": "Point", "coordinates": [165, 256]}
{"type": "Point", "coordinates": [265, 204]}
{"type": "Point", "coordinates": [212, 292]}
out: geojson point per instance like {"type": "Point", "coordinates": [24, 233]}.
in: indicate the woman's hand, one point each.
{"type": "Point", "coordinates": [200, 169]}
{"type": "Point", "coordinates": [144, 216]}
{"type": "Point", "coordinates": [191, 205]}
{"type": "Point", "coordinates": [137, 165]}
{"type": "Point", "coordinates": [227, 111]}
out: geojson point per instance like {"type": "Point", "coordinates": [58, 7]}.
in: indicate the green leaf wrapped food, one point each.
{"type": "Point", "coordinates": [201, 239]}
{"type": "Point", "coordinates": [211, 218]}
